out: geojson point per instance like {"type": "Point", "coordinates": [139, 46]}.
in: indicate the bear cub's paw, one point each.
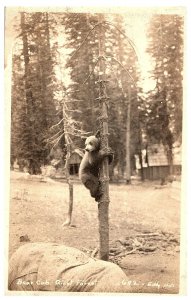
{"type": "Point", "coordinates": [98, 194]}
{"type": "Point", "coordinates": [107, 153]}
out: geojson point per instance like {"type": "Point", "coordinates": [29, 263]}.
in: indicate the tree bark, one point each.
{"type": "Point", "coordinates": [128, 137]}
{"type": "Point", "coordinates": [103, 205]}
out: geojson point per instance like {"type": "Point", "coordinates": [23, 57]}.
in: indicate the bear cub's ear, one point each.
{"type": "Point", "coordinates": [97, 134]}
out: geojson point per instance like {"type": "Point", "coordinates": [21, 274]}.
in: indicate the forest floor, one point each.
{"type": "Point", "coordinates": [144, 226]}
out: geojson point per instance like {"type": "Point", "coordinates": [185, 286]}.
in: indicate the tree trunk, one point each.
{"type": "Point", "coordinates": [128, 137]}
{"type": "Point", "coordinates": [28, 90]}
{"type": "Point", "coordinates": [90, 83]}
{"type": "Point", "coordinates": [103, 205]}
{"type": "Point", "coordinates": [141, 164]}
{"type": "Point", "coordinates": [140, 152]}
{"type": "Point", "coordinates": [171, 163]}
{"type": "Point", "coordinates": [128, 121]}
{"type": "Point", "coordinates": [170, 158]}
{"type": "Point", "coordinates": [47, 34]}
{"type": "Point", "coordinates": [70, 184]}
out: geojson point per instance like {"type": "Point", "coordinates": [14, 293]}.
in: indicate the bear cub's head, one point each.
{"type": "Point", "coordinates": [92, 143]}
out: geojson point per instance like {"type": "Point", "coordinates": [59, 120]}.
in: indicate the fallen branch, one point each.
{"type": "Point", "coordinates": [127, 253]}
{"type": "Point", "coordinates": [148, 234]}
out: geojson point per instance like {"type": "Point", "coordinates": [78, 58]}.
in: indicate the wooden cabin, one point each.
{"type": "Point", "coordinates": [75, 161]}
{"type": "Point", "coordinates": [155, 163]}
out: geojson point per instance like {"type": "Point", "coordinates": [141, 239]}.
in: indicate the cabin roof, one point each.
{"type": "Point", "coordinates": [79, 152]}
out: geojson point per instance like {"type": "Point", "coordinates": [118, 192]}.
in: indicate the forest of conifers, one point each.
{"type": "Point", "coordinates": [55, 86]}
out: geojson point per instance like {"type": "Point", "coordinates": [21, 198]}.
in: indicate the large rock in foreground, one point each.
{"type": "Point", "coordinates": [55, 267]}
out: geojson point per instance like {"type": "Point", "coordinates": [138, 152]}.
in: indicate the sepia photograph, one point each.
{"type": "Point", "coordinates": [95, 110]}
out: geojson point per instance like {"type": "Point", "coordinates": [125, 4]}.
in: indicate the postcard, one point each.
{"type": "Point", "coordinates": [95, 148]}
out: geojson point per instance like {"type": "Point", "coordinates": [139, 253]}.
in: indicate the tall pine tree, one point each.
{"type": "Point", "coordinates": [36, 110]}
{"type": "Point", "coordinates": [164, 105]}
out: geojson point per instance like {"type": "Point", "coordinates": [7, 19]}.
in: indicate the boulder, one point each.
{"type": "Point", "coordinates": [55, 267]}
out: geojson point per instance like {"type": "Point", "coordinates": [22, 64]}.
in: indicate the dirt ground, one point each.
{"type": "Point", "coordinates": [144, 226]}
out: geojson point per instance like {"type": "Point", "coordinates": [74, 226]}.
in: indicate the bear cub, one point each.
{"type": "Point", "coordinates": [90, 165]}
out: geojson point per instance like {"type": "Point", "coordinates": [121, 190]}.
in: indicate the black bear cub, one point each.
{"type": "Point", "coordinates": [90, 165]}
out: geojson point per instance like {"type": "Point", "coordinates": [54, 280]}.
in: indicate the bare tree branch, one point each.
{"type": "Point", "coordinates": [122, 67]}
{"type": "Point", "coordinates": [118, 81]}
{"type": "Point", "coordinates": [52, 137]}
{"type": "Point", "coordinates": [129, 40]}
{"type": "Point", "coordinates": [55, 125]}
{"type": "Point", "coordinates": [57, 141]}
{"type": "Point", "coordinates": [84, 40]}
{"type": "Point", "coordinates": [91, 71]}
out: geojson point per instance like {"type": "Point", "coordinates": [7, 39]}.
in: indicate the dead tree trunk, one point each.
{"type": "Point", "coordinates": [68, 179]}
{"type": "Point", "coordinates": [103, 205]}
